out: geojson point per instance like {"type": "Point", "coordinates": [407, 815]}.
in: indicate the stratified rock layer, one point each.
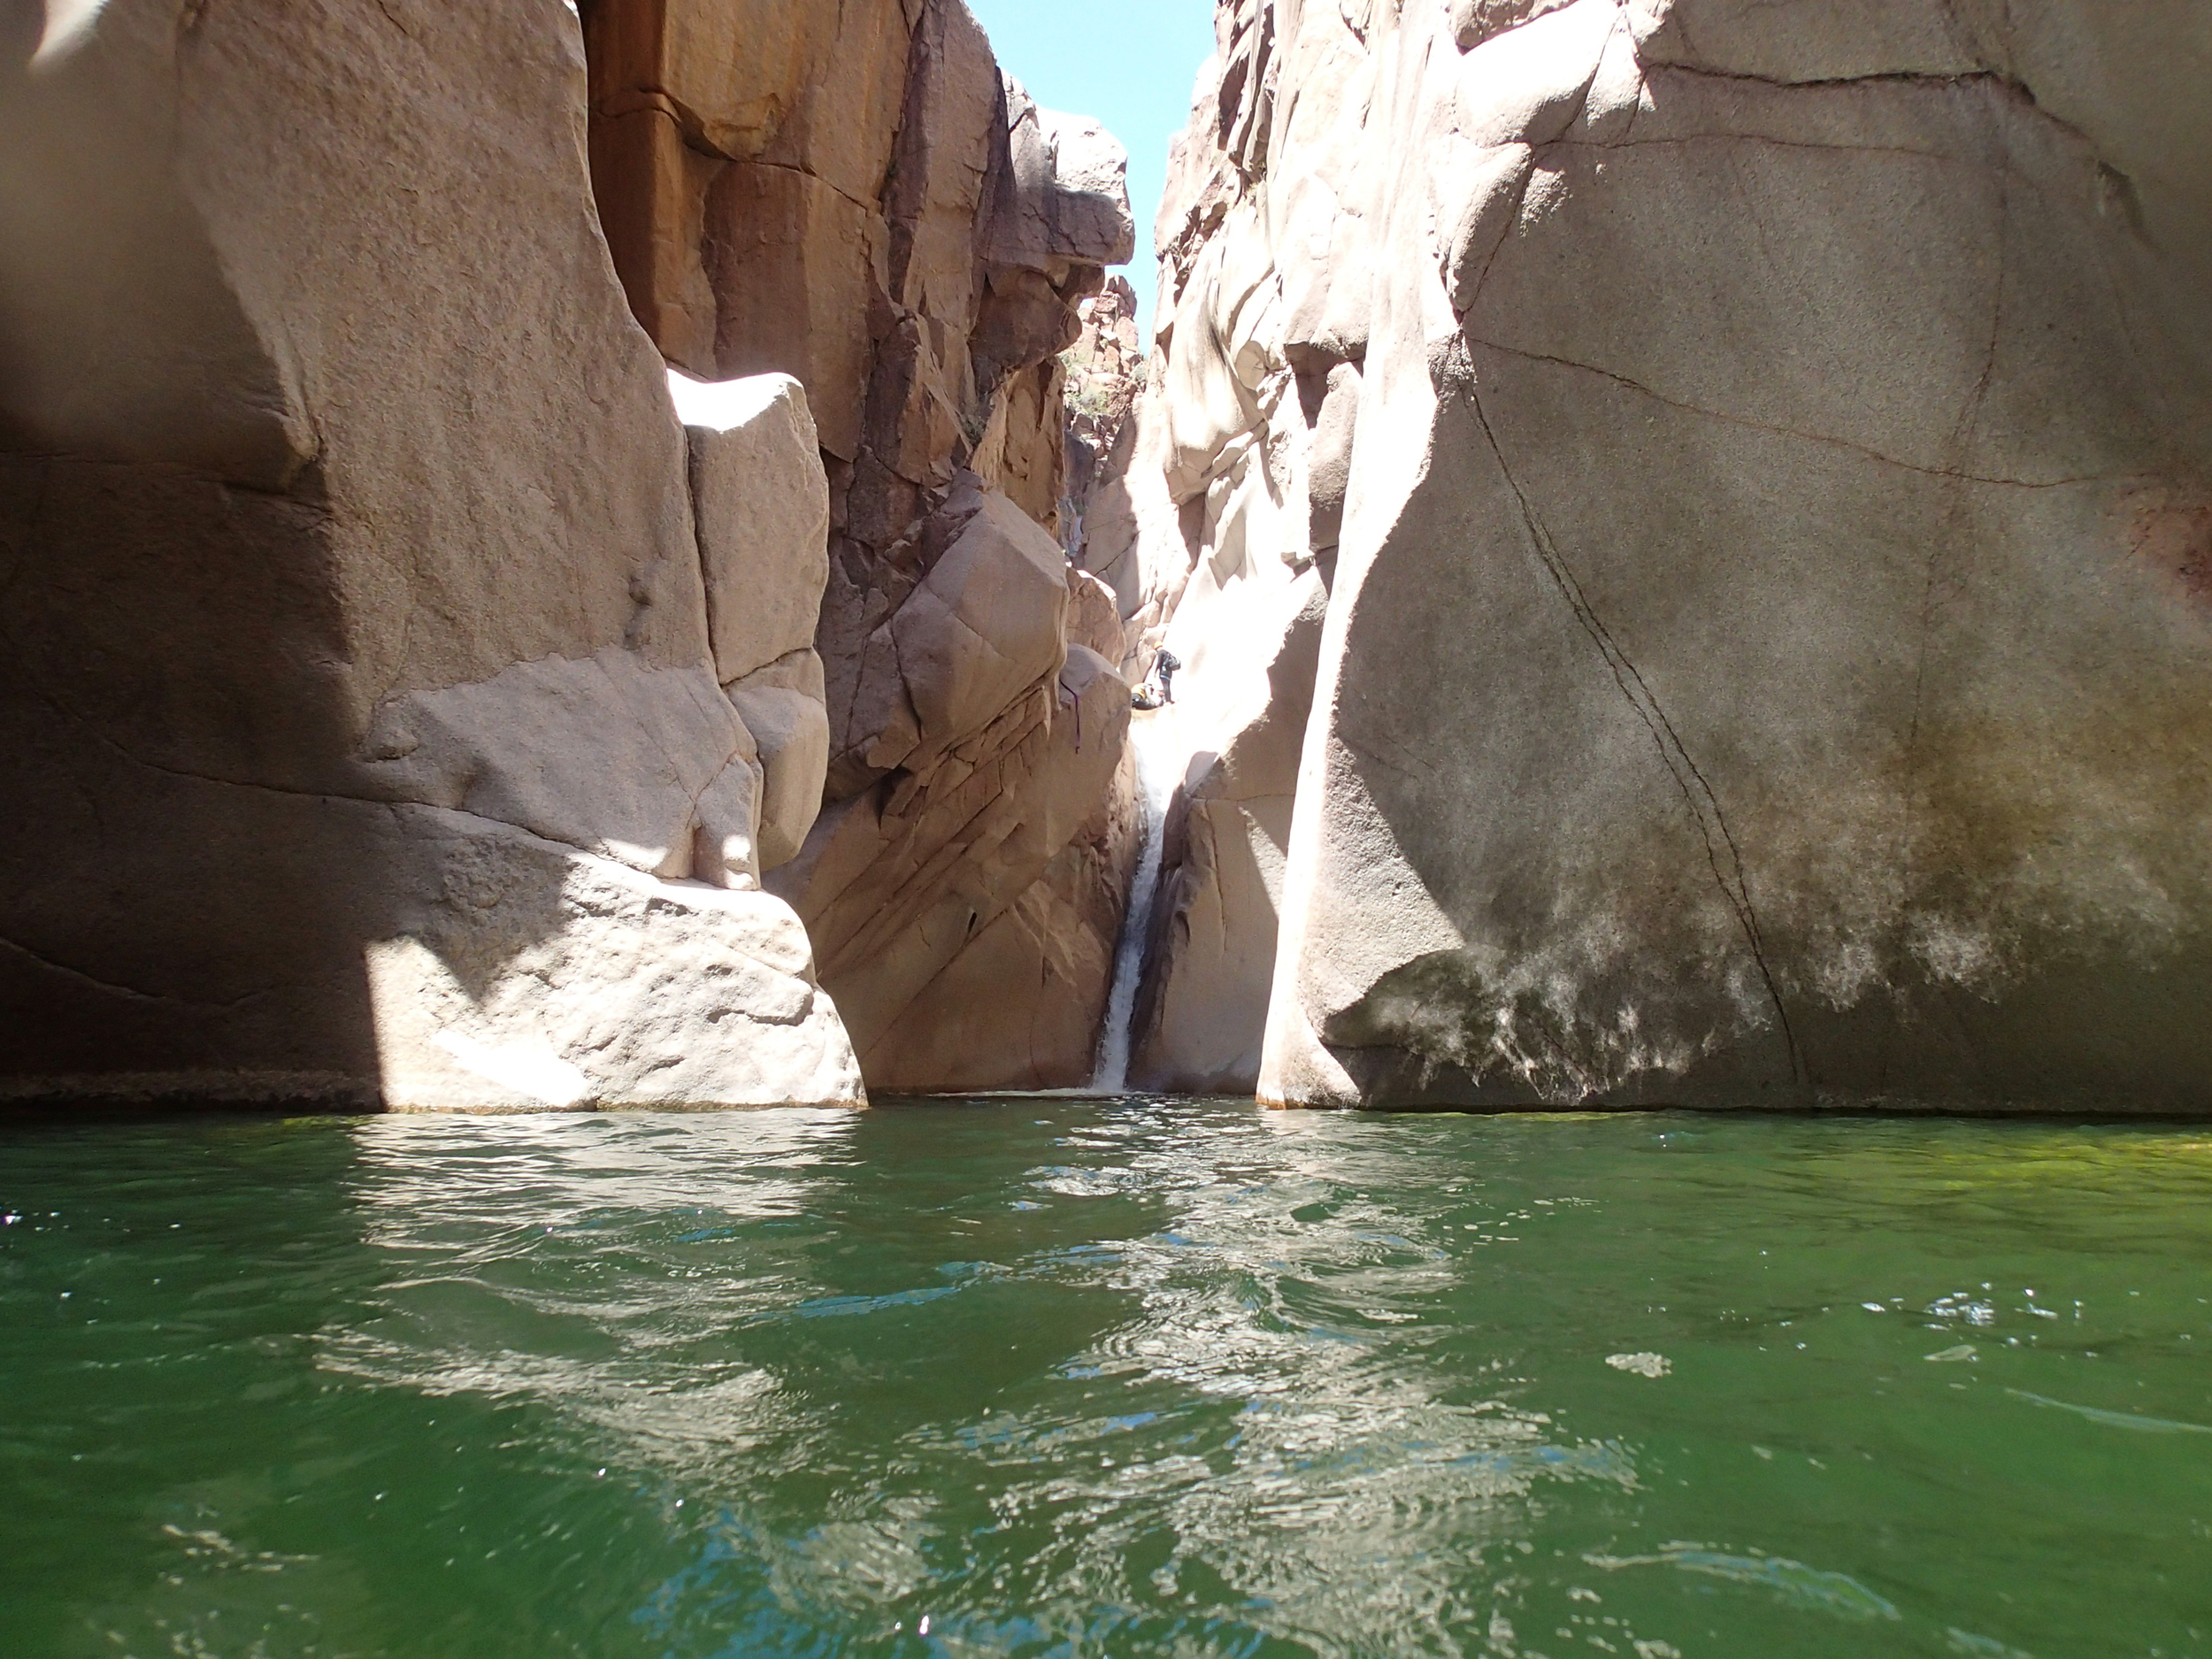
{"type": "Point", "coordinates": [365, 738]}
{"type": "Point", "coordinates": [1766, 653]}
{"type": "Point", "coordinates": [855, 196]}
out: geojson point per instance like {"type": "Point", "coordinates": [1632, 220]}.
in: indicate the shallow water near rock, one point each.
{"type": "Point", "coordinates": [1069, 1377]}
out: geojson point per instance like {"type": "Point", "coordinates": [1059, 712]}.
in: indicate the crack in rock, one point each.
{"type": "Point", "coordinates": [1722, 850]}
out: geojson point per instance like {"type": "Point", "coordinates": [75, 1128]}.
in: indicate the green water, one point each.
{"type": "Point", "coordinates": [1068, 1378]}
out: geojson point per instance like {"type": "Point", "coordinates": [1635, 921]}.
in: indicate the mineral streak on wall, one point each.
{"type": "Point", "coordinates": [367, 610]}
{"type": "Point", "coordinates": [1768, 454]}
{"type": "Point", "coordinates": [854, 195]}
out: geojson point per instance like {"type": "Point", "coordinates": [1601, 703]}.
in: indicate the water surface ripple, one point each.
{"type": "Point", "coordinates": [1061, 1378]}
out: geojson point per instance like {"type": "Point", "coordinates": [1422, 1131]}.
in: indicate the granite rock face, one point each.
{"type": "Point", "coordinates": [1215, 520]}
{"type": "Point", "coordinates": [858, 196]}
{"type": "Point", "coordinates": [1767, 450]}
{"type": "Point", "coordinates": [966, 901]}
{"type": "Point", "coordinates": [1210, 960]}
{"type": "Point", "coordinates": [762, 504]}
{"type": "Point", "coordinates": [1105, 372]}
{"type": "Point", "coordinates": [362, 718]}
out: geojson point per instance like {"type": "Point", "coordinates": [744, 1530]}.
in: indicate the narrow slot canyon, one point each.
{"type": "Point", "coordinates": [1219, 829]}
{"type": "Point", "coordinates": [1676, 539]}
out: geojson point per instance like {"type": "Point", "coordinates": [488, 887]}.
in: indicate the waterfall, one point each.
{"type": "Point", "coordinates": [1153, 738]}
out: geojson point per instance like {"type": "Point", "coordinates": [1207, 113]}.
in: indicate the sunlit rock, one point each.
{"type": "Point", "coordinates": [1759, 456]}
{"type": "Point", "coordinates": [361, 723]}
{"type": "Point", "coordinates": [868, 203]}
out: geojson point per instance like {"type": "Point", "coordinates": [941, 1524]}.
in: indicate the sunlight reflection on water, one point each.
{"type": "Point", "coordinates": [1171, 1379]}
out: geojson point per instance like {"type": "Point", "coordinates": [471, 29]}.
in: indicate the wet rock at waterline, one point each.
{"type": "Point", "coordinates": [365, 732]}
{"type": "Point", "coordinates": [1767, 643]}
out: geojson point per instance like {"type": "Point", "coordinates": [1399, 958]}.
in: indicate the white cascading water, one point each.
{"type": "Point", "coordinates": [1153, 738]}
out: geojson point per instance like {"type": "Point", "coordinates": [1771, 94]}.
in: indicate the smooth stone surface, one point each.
{"type": "Point", "coordinates": [1768, 545]}
{"type": "Point", "coordinates": [911, 241]}
{"type": "Point", "coordinates": [349, 550]}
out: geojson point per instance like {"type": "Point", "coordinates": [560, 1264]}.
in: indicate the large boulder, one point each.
{"type": "Point", "coordinates": [872, 207]}
{"type": "Point", "coordinates": [763, 507]}
{"type": "Point", "coordinates": [360, 727]}
{"type": "Point", "coordinates": [989, 621]}
{"type": "Point", "coordinates": [1766, 636]}
{"type": "Point", "coordinates": [966, 914]}
{"type": "Point", "coordinates": [1200, 1012]}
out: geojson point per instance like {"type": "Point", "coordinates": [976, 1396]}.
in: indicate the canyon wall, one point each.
{"type": "Point", "coordinates": [1217, 519]}
{"type": "Point", "coordinates": [1759, 459]}
{"type": "Point", "coordinates": [1106, 371]}
{"type": "Point", "coordinates": [366, 608]}
{"type": "Point", "coordinates": [855, 196]}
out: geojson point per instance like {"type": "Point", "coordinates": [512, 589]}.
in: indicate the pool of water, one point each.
{"type": "Point", "coordinates": [1058, 1377]}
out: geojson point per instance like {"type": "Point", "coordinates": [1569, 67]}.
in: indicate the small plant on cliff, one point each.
{"type": "Point", "coordinates": [1091, 400]}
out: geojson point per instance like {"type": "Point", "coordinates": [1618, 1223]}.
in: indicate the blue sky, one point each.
{"type": "Point", "coordinates": [1130, 63]}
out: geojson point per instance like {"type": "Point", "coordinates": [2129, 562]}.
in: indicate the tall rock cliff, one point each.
{"type": "Point", "coordinates": [366, 608]}
{"type": "Point", "coordinates": [1216, 522]}
{"type": "Point", "coordinates": [855, 196]}
{"type": "Point", "coordinates": [1106, 371]}
{"type": "Point", "coordinates": [1759, 459]}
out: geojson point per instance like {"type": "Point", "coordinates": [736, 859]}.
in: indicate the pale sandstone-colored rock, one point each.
{"type": "Point", "coordinates": [166, 315]}
{"type": "Point", "coordinates": [911, 242]}
{"type": "Point", "coordinates": [1828, 416]}
{"type": "Point", "coordinates": [578, 983]}
{"type": "Point", "coordinates": [763, 506]}
{"type": "Point", "coordinates": [1218, 522]}
{"type": "Point", "coordinates": [1329, 462]}
{"type": "Point", "coordinates": [1135, 537]}
{"type": "Point", "coordinates": [1105, 370]}
{"type": "Point", "coordinates": [1201, 1024]}
{"type": "Point", "coordinates": [1059, 937]}
{"type": "Point", "coordinates": [792, 728]}
{"type": "Point", "coordinates": [1093, 616]}
{"type": "Point", "coordinates": [1023, 452]}
{"type": "Point", "coordinates": [897, 885]}
{"type": "Point", "coordinates": [305, 524]}
{"type": "Point", "coordinates": [1771, 537]}
{"type": "Point", "coordinates": [651, 767]}
{"type": "Point", "coordinates": [1201, 1007]}
{"type": "Point", "coordinates": [976, 633]}
{"type": "Point", "coordinates": [1105, 375]}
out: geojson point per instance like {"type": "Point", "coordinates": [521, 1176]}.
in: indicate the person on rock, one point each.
{"type": "Point", "coordinates": [1165, 665]}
